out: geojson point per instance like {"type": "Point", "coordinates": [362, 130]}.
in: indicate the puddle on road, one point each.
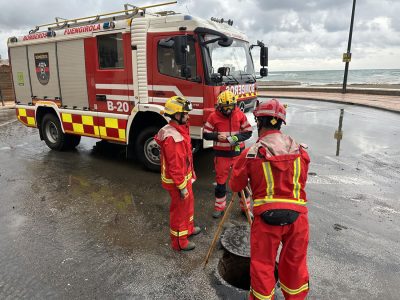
{"type": "Point", "coordinates": [112, 199]}
{"type": "Point", "coordinates": [325, 130]}
{"type": "Point", "coordinates": [117, 215]}
{"type": "Point", "coordinates": [121, 201]}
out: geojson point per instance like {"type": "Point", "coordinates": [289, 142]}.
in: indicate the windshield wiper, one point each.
{"type": "Point", "coordinates": [252, 77]}
{"type": "Point", "coordinates": [231, 79]}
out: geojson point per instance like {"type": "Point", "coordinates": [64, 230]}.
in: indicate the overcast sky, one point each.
{"type": "Point", "coordinates": [301, 34]}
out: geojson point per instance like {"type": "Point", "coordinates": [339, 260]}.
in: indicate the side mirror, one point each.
{"type": "Point", "coordinates": [263, 56]}
{"type": "Point", "coordinates": [263, 72]}
{"type": "Point", "coordinates": [216, 77]}
{"type": "Point", "coordinates": [224, 71]}
{"type": "Point", "coordinates": [186, 71]}
{"type": "Point", "coordinates": [180, 49]}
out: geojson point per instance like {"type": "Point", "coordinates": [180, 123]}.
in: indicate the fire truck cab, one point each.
{"type": "Point", "coordinates": [108, 76]}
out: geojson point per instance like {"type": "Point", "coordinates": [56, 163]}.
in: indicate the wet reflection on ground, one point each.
{"type": "Point", "coordinates": [97, 221]}
{"type": "Point", "coordinates": [364, 129]}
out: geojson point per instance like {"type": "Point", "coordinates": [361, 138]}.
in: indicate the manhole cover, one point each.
{"type": "Point", "coordinates": [236, 240]}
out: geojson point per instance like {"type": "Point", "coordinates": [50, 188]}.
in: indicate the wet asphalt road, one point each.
{"type": "Point", "coordinates": [90, 224]}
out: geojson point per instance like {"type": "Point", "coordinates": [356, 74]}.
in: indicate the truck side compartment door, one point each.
{"type": "Point", "coordinates": [72, 72]}
{"type": "Point", "coordinates": [110, 83]}
{"type": "Point", "coordinates": [44, 73]}
{"type": "Point", "coordinates": [20, 72]}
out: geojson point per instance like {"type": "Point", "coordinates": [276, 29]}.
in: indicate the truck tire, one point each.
{"type": "Point", "coordinates": [52, 133]}
{"type": "Point", "coordinates": [54, 137]}
{"type": "Point", "coordinates": [74, 140]}
{"type": "Point", "coordinates": [147, 150]}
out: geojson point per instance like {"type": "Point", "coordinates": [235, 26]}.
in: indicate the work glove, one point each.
{"type": "Point", "coordinates": [184, 193]}
{"type": "Point", "coordinates": [234, 141]}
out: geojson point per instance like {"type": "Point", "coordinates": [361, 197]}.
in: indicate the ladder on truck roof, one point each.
{"type": "Point", "coordinates": [122, 14]}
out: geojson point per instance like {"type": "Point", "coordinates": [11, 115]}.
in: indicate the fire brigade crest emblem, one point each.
{"type": "Point", "coordinates": [242, 106]}
{"type": "Point", "coordinates": [42, 67]}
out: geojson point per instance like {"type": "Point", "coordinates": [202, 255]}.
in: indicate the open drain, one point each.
{"type": "Point", "coordinates": [234, 266]}
{"type": "Point", "coordinates": [235, 270]}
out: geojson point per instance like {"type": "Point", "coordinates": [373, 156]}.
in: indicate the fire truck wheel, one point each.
{"type": "Point", "coordinates": [147, 150]}
{"type": "Point", "coordinates": [74, 140]}
{"type": "Point", "coordinates": [52, 133]}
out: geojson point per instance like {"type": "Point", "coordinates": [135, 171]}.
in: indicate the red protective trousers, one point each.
{"type": "Point", "coordinates": [181, 217]}
{"type": "Point", "coordinates": [222, 167]}
{"type": "Point", "coordinates": [292, 270]}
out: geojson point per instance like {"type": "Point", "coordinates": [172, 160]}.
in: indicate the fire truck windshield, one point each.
{"type": "Point", "coordinates": [234, 63]}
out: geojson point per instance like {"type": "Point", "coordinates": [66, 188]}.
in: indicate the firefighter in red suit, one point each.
{"type": "Point", "coordinates": [228, 127]}
{"type": "Point", "coordinates": [277, 167]}
{"type": "Point", "coordinates": [177, 173]}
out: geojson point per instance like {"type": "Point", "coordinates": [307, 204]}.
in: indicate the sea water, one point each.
{"type": "Point", "coordinates": [369, 76]}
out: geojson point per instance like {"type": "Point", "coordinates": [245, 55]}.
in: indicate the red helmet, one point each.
{"type": "Point", "coordinates": [271, 108]}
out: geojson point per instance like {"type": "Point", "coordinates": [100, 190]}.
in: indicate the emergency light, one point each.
{"type": "Point", "coordinates": [51, 33]}
{"type": "Point", "coordinates": [108, 25]}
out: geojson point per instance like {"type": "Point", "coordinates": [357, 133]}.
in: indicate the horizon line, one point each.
{"type": "Point", "coordinates": [269, 70]}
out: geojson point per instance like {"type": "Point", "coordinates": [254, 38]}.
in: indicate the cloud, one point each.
{"type": "Point", "coordinates": [298, 33]}
{"type": "Point", "coordinates": [35, 12]}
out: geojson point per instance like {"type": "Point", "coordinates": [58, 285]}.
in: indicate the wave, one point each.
{"type": "Point", "coordinates": [370, 76]}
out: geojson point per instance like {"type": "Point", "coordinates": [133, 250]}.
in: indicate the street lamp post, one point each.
{"type": "Point", "coordinates": [347, 55]}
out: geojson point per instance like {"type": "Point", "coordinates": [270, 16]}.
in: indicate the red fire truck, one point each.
{"type": "Point", "coordinates": [108, 76]}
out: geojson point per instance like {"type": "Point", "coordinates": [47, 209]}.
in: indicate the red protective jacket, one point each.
{"type": "Point", "coordinates": [176, 155]}
{"type": "Point", "coordinates": [277, 167]}
{"type": "Point", "coordinates": [234, 124]}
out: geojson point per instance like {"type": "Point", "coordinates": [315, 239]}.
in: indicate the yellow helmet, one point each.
{"type": "Point", "coordinates": [177, 104]}
{"type": "Point", "coordinates": [227, 98]}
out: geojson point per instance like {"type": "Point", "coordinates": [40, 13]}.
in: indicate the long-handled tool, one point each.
{"type": "Point", "coordinates": [246, 209]}
{"type": "Point", "coordinates": [248, 189]}
{"type": "Point", "coordinates": [219, 229]}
